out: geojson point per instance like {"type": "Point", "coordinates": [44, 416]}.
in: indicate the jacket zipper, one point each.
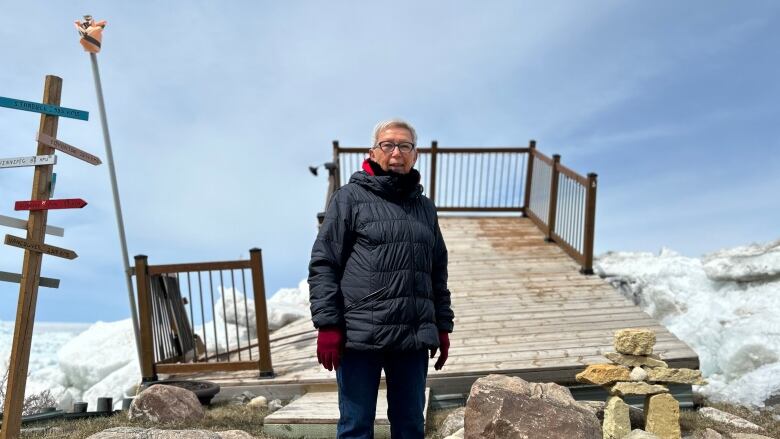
{"type": "Point", "coordinates": [366, 298]}
{"type": "Point", "coordinates": [414, 297]}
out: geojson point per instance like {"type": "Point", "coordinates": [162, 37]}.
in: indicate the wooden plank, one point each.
{"type": "Point", "coordinates": [68, 149]}
{"type": "Point", "coordinates": [33, 160]}
{"type": "Point", "coordinates": [17, 278]}
{"type": "Point", "coordinates": [40, 247]}
{"type": "Point", "coordinates": [22, 224]}
{"type": "Point", "coordinates": [206, 367]}
{"type": "Point", "coordinates": [44, 108]}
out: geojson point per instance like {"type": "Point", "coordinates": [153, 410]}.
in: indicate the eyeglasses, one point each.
{"type": "Point", "coordinates": [388, 147]}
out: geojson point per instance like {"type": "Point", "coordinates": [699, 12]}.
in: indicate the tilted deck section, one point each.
{"type": "Point", "coordinates": [522, 308]}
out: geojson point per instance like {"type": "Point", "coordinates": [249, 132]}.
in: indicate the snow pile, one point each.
{"type": "Point", "coordinates": [79, 362]}
{"type": "Point", "coordinates": [724, 305]}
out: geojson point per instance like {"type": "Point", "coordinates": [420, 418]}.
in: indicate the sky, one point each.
{"type": "Point", "coordinates": [216, 109]}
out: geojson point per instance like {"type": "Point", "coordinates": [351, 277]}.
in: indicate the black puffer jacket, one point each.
{"type": "Point", "coordinates": [379, 266]}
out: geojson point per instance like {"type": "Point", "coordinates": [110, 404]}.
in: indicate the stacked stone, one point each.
{"type": "Point", "coordinates": [637, 371]}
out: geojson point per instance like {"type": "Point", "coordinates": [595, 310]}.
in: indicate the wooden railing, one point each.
{"type": "Point", "coordinates": [561, 202]}
{"type": "Point", "coordinates": [171, 301]}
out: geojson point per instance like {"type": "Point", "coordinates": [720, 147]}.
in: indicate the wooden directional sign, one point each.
{"type": "Point", "coordinates": [40, 247]}
{"type": "Point", "coordinates": [67, 149]}
{"type": "Point", "coordinates": [33, 160]}
{"type": "Point", "coordinates": [22, 224]}
{"type": "Point", "coordinates": [63, 203]}
{"type": "Point", "coordinates": [18, 104]}
{"type": "Point", "coordinates": [17, 278]}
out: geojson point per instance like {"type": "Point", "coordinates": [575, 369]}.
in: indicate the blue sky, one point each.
{"type": "Point", "coordinates": [217, 108]}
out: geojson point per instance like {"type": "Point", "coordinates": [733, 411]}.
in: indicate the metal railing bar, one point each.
{"type": "Point", "coordinates": [213, 318]}
{"type": "Point", "coordinates": [224, 310]}
{"type": "Point", "coordinates": [246, 314]}
{"type": "Point", "coordinates": [235, 313]}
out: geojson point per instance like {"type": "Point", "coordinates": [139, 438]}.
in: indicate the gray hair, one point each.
{"type": "Point", "coordinates": [393, 123]}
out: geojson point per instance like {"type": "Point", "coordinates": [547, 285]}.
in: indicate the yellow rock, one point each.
{"type": "Point", "coordinates": [662, 416]}
{"type": "Point", "coordinates": [617, 424]}
{"type": "Point", "coordinates": [635, 360]}
{"type": "Point", "coordinates": [603, 374]}
{"type": "Point", "coordinates": [679, 376]}
{"type": "Point", "coordinates": [635, 341]}
{"type": "Point", "coordinates": [636, 388]}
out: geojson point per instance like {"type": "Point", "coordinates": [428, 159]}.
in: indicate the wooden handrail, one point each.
{"type": "Point", "coordinates": [198, 266]}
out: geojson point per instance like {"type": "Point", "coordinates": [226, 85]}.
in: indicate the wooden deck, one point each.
{"type": "Point", "coordinates": [521, 308]}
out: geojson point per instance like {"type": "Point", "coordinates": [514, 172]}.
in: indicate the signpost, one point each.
{"type": "Point", "coordinates": [40, 247]}
{"type": "Point", "coordinates": [63, 203]}
{"type": "Point", "coordinates": [67, 149]}
{"type": "Point", "coordinates": [22, 224]}
{"type": "Point", "coordinates": [34, 248]}
{"type": "Point", "coordinates": [34, 160]}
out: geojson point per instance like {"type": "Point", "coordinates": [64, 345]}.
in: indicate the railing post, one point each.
{"type": "Point", "coordinates": [590, 224]}
{"type": "Point", "coordinates": [337, 171]}
{"type": "Point", "coordinates": [148, 373]}
{"type": "Point", "coordinates": [261, 314]}
{"type": "Point", "coordinates": [553, 209]}
{"type": "Point", "coordinates": [529, 177]}
{"type": "Point", "coordinates": [434, 148]}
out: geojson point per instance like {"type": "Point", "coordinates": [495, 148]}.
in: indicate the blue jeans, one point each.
{"type": "Point", "coordinates": [358, 378]}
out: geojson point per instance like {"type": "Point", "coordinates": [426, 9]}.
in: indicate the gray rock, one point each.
{"type": "Point", "coordinates": [162, 403]}
{"type": "Point", "coordinates": [275, 405]}
{"type": "Point", "coordinates": [243, 397]}
{"type": "Point", "coordinates": [722, 417]}
{"type": "Point", "coordinates": [453, 423]}
{"type": "Point", "coordinates": [502, 407]}
{"type": "Point", "coordinates": [153, 433]}
{"type": "Point", "coordinates": [748, 436]}
{"type": "Point", "coordinates": [457, 435]}
{"type": "Point", "coordinates": [707, 433]}
{"type": "Point", "coordinates": [640, 434]}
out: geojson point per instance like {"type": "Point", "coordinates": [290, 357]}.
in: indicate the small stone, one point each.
{"type": "Point", "coordinates": [722, 417]}
{"type": "Point", "coordinates": [616, 424]}
{"type": "Point", "coordinates": [457, 435]}
{"type": "Point", "coordinates": [748, 436]}
{"type": "Point", "coordinates": [453, 422]}
{"type": "Point", "coordinates": [259, 402]}
{"type": "Point", "coordinates": [662, 416]}
{"type": "Point", "coordinates": [235, 434]}
{"type": "Point", "coordinates": [243, 397]}
{"type": "Point", "coordinates": [163, 403]}
{"type": "Point", "coordinates": [640, 434]}
{"type": "Point", "coordinates": [678, 376]}
{"type": "Point", "coordinates": [635, 341]}
{"type": "Point", "coordinates": [636, 388]}
{"type": "Point", "coordinates": [275, 405]}
{"type": "Point", "coordinates": [603, 374]}
{"type": "Point", "coordinates": [707, 433]}
{"type": "Point", "coordinates": [638, 374]}
{"type": "Point", "coordinates": [635, 360]}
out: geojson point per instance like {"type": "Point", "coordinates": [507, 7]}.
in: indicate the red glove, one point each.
{"type": "Point", "coordinates": [330, 343]}
{"type": "Point", "coordinates": [444, 345]}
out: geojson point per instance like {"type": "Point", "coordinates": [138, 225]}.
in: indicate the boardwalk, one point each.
{"type": "Point", "coordinates": [521, 307]}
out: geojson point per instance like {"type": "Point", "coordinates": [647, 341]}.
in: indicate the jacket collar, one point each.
{"type": "Point", "coordinates": [387, 183]}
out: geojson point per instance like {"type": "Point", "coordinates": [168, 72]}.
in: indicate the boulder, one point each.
{"type": "Point", "coordinates": [662, 416]}
{"type": "Point", "coordinates": [161, 403]}
{"type": "Point", "coordinates": [679, 376]}
{"type": "Point", "coordinates": [635, 360]}
{"type": "Point", "coordinates": [617, 423]}
{"type": "Point", "coordinates": [453, 422]}
{"type": "Point", "coordinates": [634, 341]}
{"type": "Point", "coordinates": [640, 434]}
{"type": "Point", "coordinates": [502, 407]}
{"type": "Point", "coordinates": [636, 388]}
{"type": "Point", "coordinates": [146, 433]}
{"type": "Point", "coordinates": [724, 418]}
{"type": "Point", "coordinates": [707, 433]}
{"type": "Point", "coordinates": [603, 374]}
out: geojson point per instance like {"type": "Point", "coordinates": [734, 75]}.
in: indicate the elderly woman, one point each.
{"type": "Point", "coordinates": [378, 285]}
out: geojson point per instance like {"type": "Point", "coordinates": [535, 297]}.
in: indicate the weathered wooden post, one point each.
{"type": "Point", "coordinates": [146, 348]}
{"type": "Point", "coordinates": [529, 177]}
{"type": "Point", "coordinates": [33, 244]}
{"type": "Point", "coordinates": [261, 314]}
{"type": "Point", "coordinates": [590, 224]}
{"type": "Point", "coordinates": [553, 208]}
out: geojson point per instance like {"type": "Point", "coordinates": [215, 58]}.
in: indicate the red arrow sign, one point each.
{"type": "Point", "coordinates": [65, 203]}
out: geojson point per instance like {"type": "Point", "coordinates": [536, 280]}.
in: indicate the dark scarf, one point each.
{"type": "Point", "coordinates": [403, 184]}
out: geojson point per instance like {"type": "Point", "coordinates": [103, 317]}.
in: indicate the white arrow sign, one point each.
{"type": "Point", "coordinates": [34, 160]}
{"type": "Point", "coordinates": [22, 224]}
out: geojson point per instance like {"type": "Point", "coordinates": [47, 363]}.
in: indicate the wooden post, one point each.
{"type": "Point", "coordinates": [143, 286]}
{"type": "Point", "coordinates": [590, 224]}
{"type": "Point", "coordinates": [31, 273]}
{"type": "Point", "coordinates": [337, 172]}
{"type": "Point", "coordinates": [553, 209]}
{"type": "Point", "coordinates": [261, 314]}
{"type": "Point", "coordinates": [529, 177]}
{"type": "Point", "coordinates": [434, 149]}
